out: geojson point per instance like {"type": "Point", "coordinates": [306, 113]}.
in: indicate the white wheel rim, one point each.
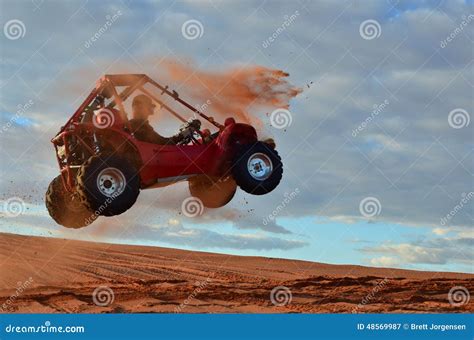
{"type": "Point", "coordinates": [111, 182]}
{"type": "Point", "coordinates": [260, 166]}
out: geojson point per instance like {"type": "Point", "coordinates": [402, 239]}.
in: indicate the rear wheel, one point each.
{"type": "Point", "coordinates": [257, 169]}
{"type": "Point", "coordinates": [213, 192]}
{"type": "Point", "coordinates": [108, 185]}
{"type": "Point", "coordinates": [65, 208]}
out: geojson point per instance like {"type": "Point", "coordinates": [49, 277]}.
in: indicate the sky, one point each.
{"type": "Point", "coordinates": [377, 149]}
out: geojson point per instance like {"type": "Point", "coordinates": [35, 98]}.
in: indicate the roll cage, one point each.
{"type": "Point", "coordinates": [106, 89]}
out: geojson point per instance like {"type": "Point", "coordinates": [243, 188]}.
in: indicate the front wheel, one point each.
{"type": "Point", "coordinates": [257, 168]}
{"type": "Point", "coordinates": [108, 185]}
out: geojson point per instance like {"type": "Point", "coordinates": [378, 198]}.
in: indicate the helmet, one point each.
{"type": "Point", "coordinates": [142, 99]}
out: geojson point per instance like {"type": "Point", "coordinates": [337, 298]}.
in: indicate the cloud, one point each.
{"type": "Point", "coordinates": [243, 219]}
{"type": "Point", "coordinates": [440, 231]}
{"type": "Point", "coordinates": [239, 214]}
{"type": "Point", "coordinates": [408, 157]}
{"type": "Point", "coordinates": [34, 220]}
{"type": "Point", "coordinates": [438, 251]}
{"type": "Point", "coordinates": [384, 261]}
{"type": "Point", "coordinates": [173, 232]}
{"type": "Point", "coordinates": [253, 223]}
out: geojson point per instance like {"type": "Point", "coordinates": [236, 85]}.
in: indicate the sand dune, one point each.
{"type": "Point", "coordinates": [49, 275]}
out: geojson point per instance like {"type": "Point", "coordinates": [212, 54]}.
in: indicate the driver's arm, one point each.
{"type": "Point", "coordinates": [144, 131]}
{"type": "Point", "coordinates": [156, 138]}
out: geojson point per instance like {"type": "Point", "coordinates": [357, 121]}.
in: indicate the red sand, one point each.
{"type": "Point", "coordinates": [65, 273]}
{"type": "Point", "coordinates": [238, 92]}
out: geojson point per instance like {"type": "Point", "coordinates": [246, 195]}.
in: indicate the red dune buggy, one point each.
{"type": "Point", "coordinates": [103, 166]}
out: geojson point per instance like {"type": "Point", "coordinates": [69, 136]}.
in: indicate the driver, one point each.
{"type": "Point", "coordinates": [142, 108]}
